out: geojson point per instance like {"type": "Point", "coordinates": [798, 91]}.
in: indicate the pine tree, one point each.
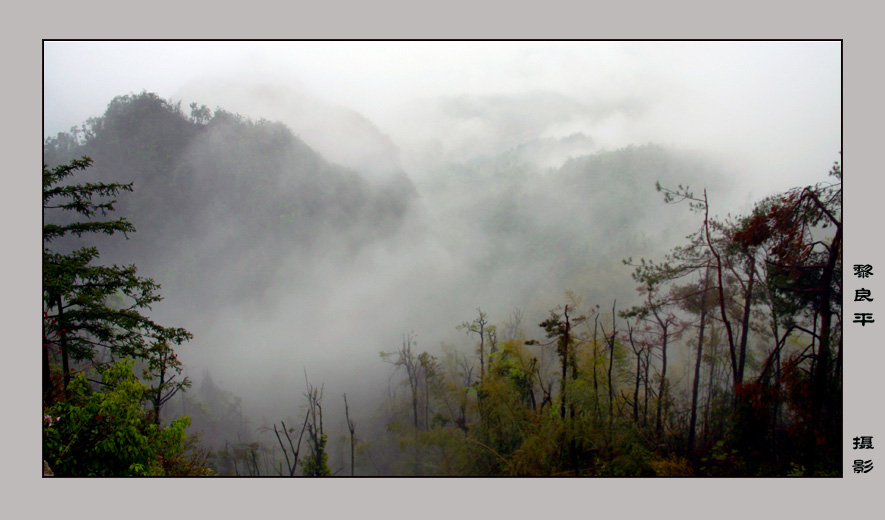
{"type": "Point", "coordinates": [94, 313]}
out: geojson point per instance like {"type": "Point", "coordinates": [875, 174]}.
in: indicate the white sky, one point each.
{"type": "Point", "coordinates": [772, 110]}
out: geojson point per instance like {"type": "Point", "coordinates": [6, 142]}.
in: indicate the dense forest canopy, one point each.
{"type": "Point", "coordinates": [513, 340]}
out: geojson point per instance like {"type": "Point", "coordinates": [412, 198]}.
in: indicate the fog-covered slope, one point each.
{"type": "Point", "coordinates": [280, 261]}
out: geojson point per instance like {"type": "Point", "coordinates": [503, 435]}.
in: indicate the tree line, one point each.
{"type": "Point", "coordinates": [752, 302]}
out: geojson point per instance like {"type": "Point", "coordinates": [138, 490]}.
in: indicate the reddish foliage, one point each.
{"type": "Point", "coordinates": [783, 227]}
{"type": "Point", "coordinates": [757, 396]}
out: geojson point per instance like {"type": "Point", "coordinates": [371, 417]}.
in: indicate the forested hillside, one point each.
{"type": "Point", "coordinates": [222, 197]}
{"type": "Point", "coordinates": [585, 312]}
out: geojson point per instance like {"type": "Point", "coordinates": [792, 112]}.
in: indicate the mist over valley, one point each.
{"type": "Point", "coordinates": [297, 239]}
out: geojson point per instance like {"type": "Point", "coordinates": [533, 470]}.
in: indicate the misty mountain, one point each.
{"type": "Point", "coordinates": [425, 259]}
{"type": "Point", "coordinates": [341, 135]}
{"type": "Point", "coordinates": [230, 210]}
{"type": "Point", "coordinates": [223, 198]}
{"type": "Point", "coordinates": [566, 227]}
{"type": "Point", "coordinates": [469, 127]}
{"type": "Point", "coordinates": [281, 260]}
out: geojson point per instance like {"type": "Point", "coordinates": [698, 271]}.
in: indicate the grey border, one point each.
{"type": "Point", "coordinates": [857, 22]}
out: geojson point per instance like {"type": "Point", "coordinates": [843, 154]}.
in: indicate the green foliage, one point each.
{"type": "Point", "coordinates": [316, 464]}
{"type": "Point", "coordinates": [88, 307]}
{"type": "Point", "coordinates": [107, 432]}
{"type": "Point", "coordinates": [633, 459]}
{"type": "Point", "coordinates": [91, 308]}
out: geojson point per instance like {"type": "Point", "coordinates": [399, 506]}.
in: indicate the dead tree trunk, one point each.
{"type": "Point", "coordinates": [352, 428]}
